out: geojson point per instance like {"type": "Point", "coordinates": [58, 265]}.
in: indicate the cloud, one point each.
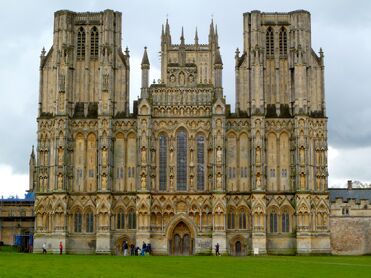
{"type": "Point", "coordinates": [342, 28]}
{"type": "Point", "coordinates": [11, 183]}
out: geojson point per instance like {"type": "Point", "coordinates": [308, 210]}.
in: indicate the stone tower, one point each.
{"type": "Point", "coordinates": [85, 75]}
{"type": "Point", "coordinates": [280, 87]}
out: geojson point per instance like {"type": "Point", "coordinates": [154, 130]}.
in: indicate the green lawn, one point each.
{"type": "Point", "coordinates": [30, 265]}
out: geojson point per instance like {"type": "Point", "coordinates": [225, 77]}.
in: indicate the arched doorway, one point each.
{"type": "Point", "coordinates": [181, 242]}
{"type": "Point", "coordinates": [238, 248]}
{"type": "Point", "coordinates": [119, 244]}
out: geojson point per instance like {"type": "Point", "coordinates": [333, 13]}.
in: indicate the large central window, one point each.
{"type": "Point", "coordinates": [163, 162]}
{"type": "Point", "coordinates": [181, 159]}
{"type": "Point", "coordinates": [200, 163]}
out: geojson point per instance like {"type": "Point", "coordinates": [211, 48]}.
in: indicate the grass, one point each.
{"type": "Point", "coordinates": [37, 265]}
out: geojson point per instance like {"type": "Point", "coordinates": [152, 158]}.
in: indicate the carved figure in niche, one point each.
{"type": "Point", "coordinates": [171, 183]}
{"type": "Point", "coordinates": [190, 78]}
{"type": "Point", "coordinates": [258, 180]}
{"type": "Point", "coordinates": [219, 154]}
{"type": "Point", "coordinates": [60, 182]}
{"type": "Point", "coordinates": [219, 181]}
{"type": "Point", "coordinates": [301, 155]}
{"type": "Point", "coordinates": [105, 81]}
{"type": "Point", "coordinates": [181, 78]}
{"type": "Point", "coordinates": [104, 157]}
{"type": "Point", "coordinates": [104, 182]}
{"type": "Point", "coordinates": [143, 181]}
{"type": "Point", "coordinates": [60, 156]}
{"type": "Point", "coordinates": [61, 101]}
{"type": "Point", "coordinates": [302, 180]}
{"type": "Point", "coordinates": [144, 155]}
{"type": "Point", "coordinates": [258, 155]}
{"type": "Point", "coordinates": [172, 78]}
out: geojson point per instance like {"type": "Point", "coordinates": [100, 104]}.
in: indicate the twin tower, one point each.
{"type": "Point", "coordinates": [182, 171]}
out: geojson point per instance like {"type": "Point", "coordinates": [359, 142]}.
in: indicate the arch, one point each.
{"type": "Point", "coordinates": [284, 161]}
{"type": "Point", "coordinates": [81, 40]}
{"type": "Point", "coordinates": [119, 161]}
{"type": "Point", "coordinates": [283, 41]}
{"type": "Point", "coordinates": [94, 42]}
{"type": "Point", "coordinates": [241, 241]}
{"type": "Point", "coordinates": [201, 145]}
{"type": "Point", "coordinates": [176, 220]}
{"type": "Point", "coordinates": [272, 161]}
{"type": "Point", "coordinates": [163, 161]}
{"type": "Point", "coordinates": [269, 41]}
{"type": "Point", "coordinates": [181, 158]}
{"type": "Point", "coordinates": [120, 241]}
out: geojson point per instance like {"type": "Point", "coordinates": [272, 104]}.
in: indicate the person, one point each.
{"type": "Point", "coordinates": [44, 248]}
{"type": "Point", "coordinates": [137, 249]}
{"type": "Point", "coordinates": [144, 249]}
{"type": "Point", "coordinates": [126, 247]}
{"type": "Point", "coordinates": [149, 248]}
{"type": "Point", "coordinates": [60, 248]}
{"type": "Point", "coordinates": [132, 249]}
{"type": "Point", "coordinates": [217, 249]}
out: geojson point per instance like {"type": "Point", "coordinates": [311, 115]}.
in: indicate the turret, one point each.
{"type": "Point", "coordinates": [218, 68]}
{"type": "Point", "coordinates": [196, 37]}
{"type": "Point", "coordinates": [145, 66]}
{"type": "Point", "coordinates": [31, 166]}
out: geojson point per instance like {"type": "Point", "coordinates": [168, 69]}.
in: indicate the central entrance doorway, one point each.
{"type": "Point", "coordinates": [181, 242]}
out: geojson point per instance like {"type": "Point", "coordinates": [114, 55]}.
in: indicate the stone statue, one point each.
{"type": "Point", "coordinates": [258, 181]}
{"type": "Point", "coordinates": [144, 155]}
{"type": "Point", "coordinates": [219, 155]}
{"type": "Point", "coordinates": [60, 182]}
{"type": "Point", "coordinates": [219, 181]}
{"type": "Point", "coordinates": [104, 182]}
{"type": "Point", "coordinates": [143, 181]}
{"type": "Point", "coordinates": [60, 156]}
{"type": "Point", "coordinates": [104, 157]}
{"type": "Point", "coordinates": [258, 155]}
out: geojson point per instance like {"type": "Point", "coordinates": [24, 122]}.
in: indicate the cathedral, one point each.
{"type": "Point", "coordinates": [182, 171]}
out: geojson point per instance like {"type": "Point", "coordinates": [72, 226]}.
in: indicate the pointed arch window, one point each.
{"type": "Point", "coordinates": [163, 162]}
{"type": "Point", "coordinates": [89, 222]}
{"type": "Point", "coordinates": [231, 219]}
{"type": "Point", "coordinates": [242, 219]}
{"type": "Point", "coordinates": [269, 42]}
{"type": "Point", "coordinates": [77, 222]}
{"type": "Point", "coordinates": [94, 42]}
{"type": "Point", "coordinates": [181, 157]}
{"type": "Point", "coordinates": [120, 219]}
{"type": "Point", "coordinates": [81, 38]}
{"type": "Point", "coordinates": [200, 163]}
{"type": "Point", "coordinates": [132, 220]}
{"type": "Point", "coordinates": [283, 42]}
{"type": "Point", "coordinates": [273, 222]}
{"type": "Point", "coordinates": [285, 222]}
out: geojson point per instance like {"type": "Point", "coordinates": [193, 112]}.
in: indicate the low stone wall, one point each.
{"type": "Point", "coordinates": [350, 235]}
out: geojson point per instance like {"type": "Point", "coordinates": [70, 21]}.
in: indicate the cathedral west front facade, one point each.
{"type": "Point", "coordinates": [181, 171]}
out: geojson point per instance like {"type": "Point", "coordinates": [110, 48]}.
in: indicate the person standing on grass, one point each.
{"type": "Point", "coordinates": [217, 249]}
{"type": "Point", "coordinates": [144, 249]}
{"type": "Point", "coordinates": [132, 250]}
{"type": "Point", "coordinates": [126, 247]}
{"type": "Point", "coordinates": [44, 248]}
{"type": "Point", "coordinates": [60, 248]}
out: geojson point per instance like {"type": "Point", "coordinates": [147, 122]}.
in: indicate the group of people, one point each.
{"type": "Point", "coordinates": [135, 250]}
{"type": "Point", "coordinates": [60, 248]}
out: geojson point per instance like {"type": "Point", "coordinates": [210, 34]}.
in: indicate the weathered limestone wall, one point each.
{"type": "Point", "coordinates": [350, 235]}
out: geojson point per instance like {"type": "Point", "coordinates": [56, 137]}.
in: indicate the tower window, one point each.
{"type": "Point", "coordinates": [283, 42]}
{"type": "Point", "coordinates": [94, 42]}
{"type": "Point", "coordinates": [163, 162]}
{"type": "Point", "coordinates": [200, 163]}
{"type": "Point", "coordinates": [269, 41]}
{"type": "Point", "coordinates": [181, 160]}
{"type": "Point", "coordinates": [81, 43]}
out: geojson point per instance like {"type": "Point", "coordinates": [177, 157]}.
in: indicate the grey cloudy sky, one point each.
{"type": "Point", "coordinates": [341, 28]}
